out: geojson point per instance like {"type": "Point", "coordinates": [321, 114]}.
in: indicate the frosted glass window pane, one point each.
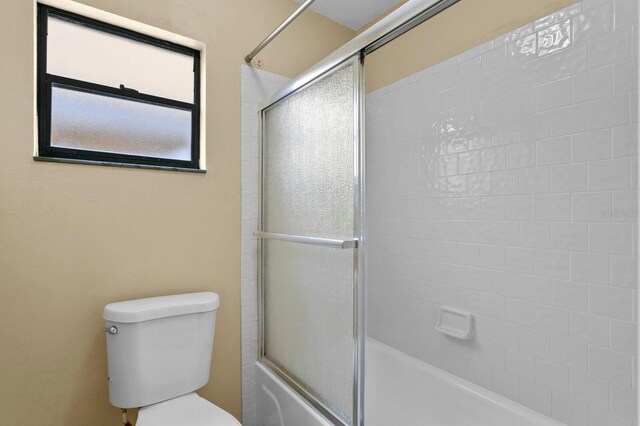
{"type": "Point", "coordinates": [101, 123]}
{"type": "Point", "coordinates": [308, 153]}
{"type": "Point", "coordinates": [308, 314]}
{"type": "Point", "coordinates": [87, 54]}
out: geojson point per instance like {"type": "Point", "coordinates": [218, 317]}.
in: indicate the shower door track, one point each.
{"type": "Point", "coordinates": [398, 22]}
{"type": "Point", "coordinates": [301, 390]}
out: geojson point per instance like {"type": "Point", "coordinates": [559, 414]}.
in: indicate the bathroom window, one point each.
{"type": "Point", "coordinates": [110, 95]}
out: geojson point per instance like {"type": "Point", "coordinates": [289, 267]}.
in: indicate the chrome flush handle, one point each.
{"type": "Point", "coordinates": [111, 330]}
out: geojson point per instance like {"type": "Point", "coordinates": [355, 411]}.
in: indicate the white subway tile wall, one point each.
{"type": "Point", "coordinates": [256, 85]}
{"type": "Point", "coordinates": [502, 181]}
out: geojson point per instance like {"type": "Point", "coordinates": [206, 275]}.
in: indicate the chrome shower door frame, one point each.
{"type": "Point", "coordinates": [357, 244]}
{"type": "Point", "coordinates": [400, 21]}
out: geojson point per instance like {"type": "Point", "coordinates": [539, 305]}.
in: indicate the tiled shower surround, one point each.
{"type": "Point", "coordinates": [256, 85]}
{"type": "Point", "coordinates": [503, 181]}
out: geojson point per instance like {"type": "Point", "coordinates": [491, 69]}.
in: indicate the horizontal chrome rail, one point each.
{"type": "Point", "coordinates": [277, 31]}
{"type": "Point", "coordinates": [341, 244]}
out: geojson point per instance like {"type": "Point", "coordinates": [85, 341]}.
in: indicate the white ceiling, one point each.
{"type": "Point", "coordinates": [351, 13]}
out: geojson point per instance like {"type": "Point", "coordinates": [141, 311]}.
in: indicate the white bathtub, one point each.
{"type": "Point", "coordinates": [401, 390]}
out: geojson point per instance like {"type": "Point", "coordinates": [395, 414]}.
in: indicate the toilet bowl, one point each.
{"type": "Point", "coordinates": [159, 354]}
{"type": "Point", "coordinates": [187, 410]}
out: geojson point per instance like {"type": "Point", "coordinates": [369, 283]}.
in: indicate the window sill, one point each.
{"type": "Point", "coordinates": [110, 164]}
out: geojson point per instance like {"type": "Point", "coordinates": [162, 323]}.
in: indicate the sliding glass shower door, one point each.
{"type": "Point", "coordinates": [310, 227]}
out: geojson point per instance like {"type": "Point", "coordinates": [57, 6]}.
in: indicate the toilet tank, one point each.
{"type": "Point", "coordinates": [160, 347]}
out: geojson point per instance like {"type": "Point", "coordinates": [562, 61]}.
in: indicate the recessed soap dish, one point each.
{"type": "Point", "coordinates": [455, 322]}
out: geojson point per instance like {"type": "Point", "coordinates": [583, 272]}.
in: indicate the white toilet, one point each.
{"type": "Point", "coordinates": [159, 354]}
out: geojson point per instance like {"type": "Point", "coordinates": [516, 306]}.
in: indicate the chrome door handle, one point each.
{"type": "Point", "coordinates": [341, 244]}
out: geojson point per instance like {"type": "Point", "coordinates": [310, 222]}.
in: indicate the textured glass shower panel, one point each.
{"type": "Point", "coordinates": [308, 325]}
{"type": "Point", "coordinates": [308, 190]}
{"type": "Point", "coordinates": [308, 167]}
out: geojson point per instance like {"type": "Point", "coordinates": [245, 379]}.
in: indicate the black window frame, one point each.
{"type": "Point", "coordinates": [46, 81]}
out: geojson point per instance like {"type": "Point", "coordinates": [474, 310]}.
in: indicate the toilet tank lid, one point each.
{"type": "Point", "coordinates": [150, 308]}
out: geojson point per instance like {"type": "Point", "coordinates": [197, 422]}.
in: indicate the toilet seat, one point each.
{"type": "Point", "coordinates": [186, 410]}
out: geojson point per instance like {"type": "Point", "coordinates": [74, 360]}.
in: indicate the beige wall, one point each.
{"type": "Point", "coordinates": [459, 28]}
{"type": "Point", "coordinates": [75, 237]}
